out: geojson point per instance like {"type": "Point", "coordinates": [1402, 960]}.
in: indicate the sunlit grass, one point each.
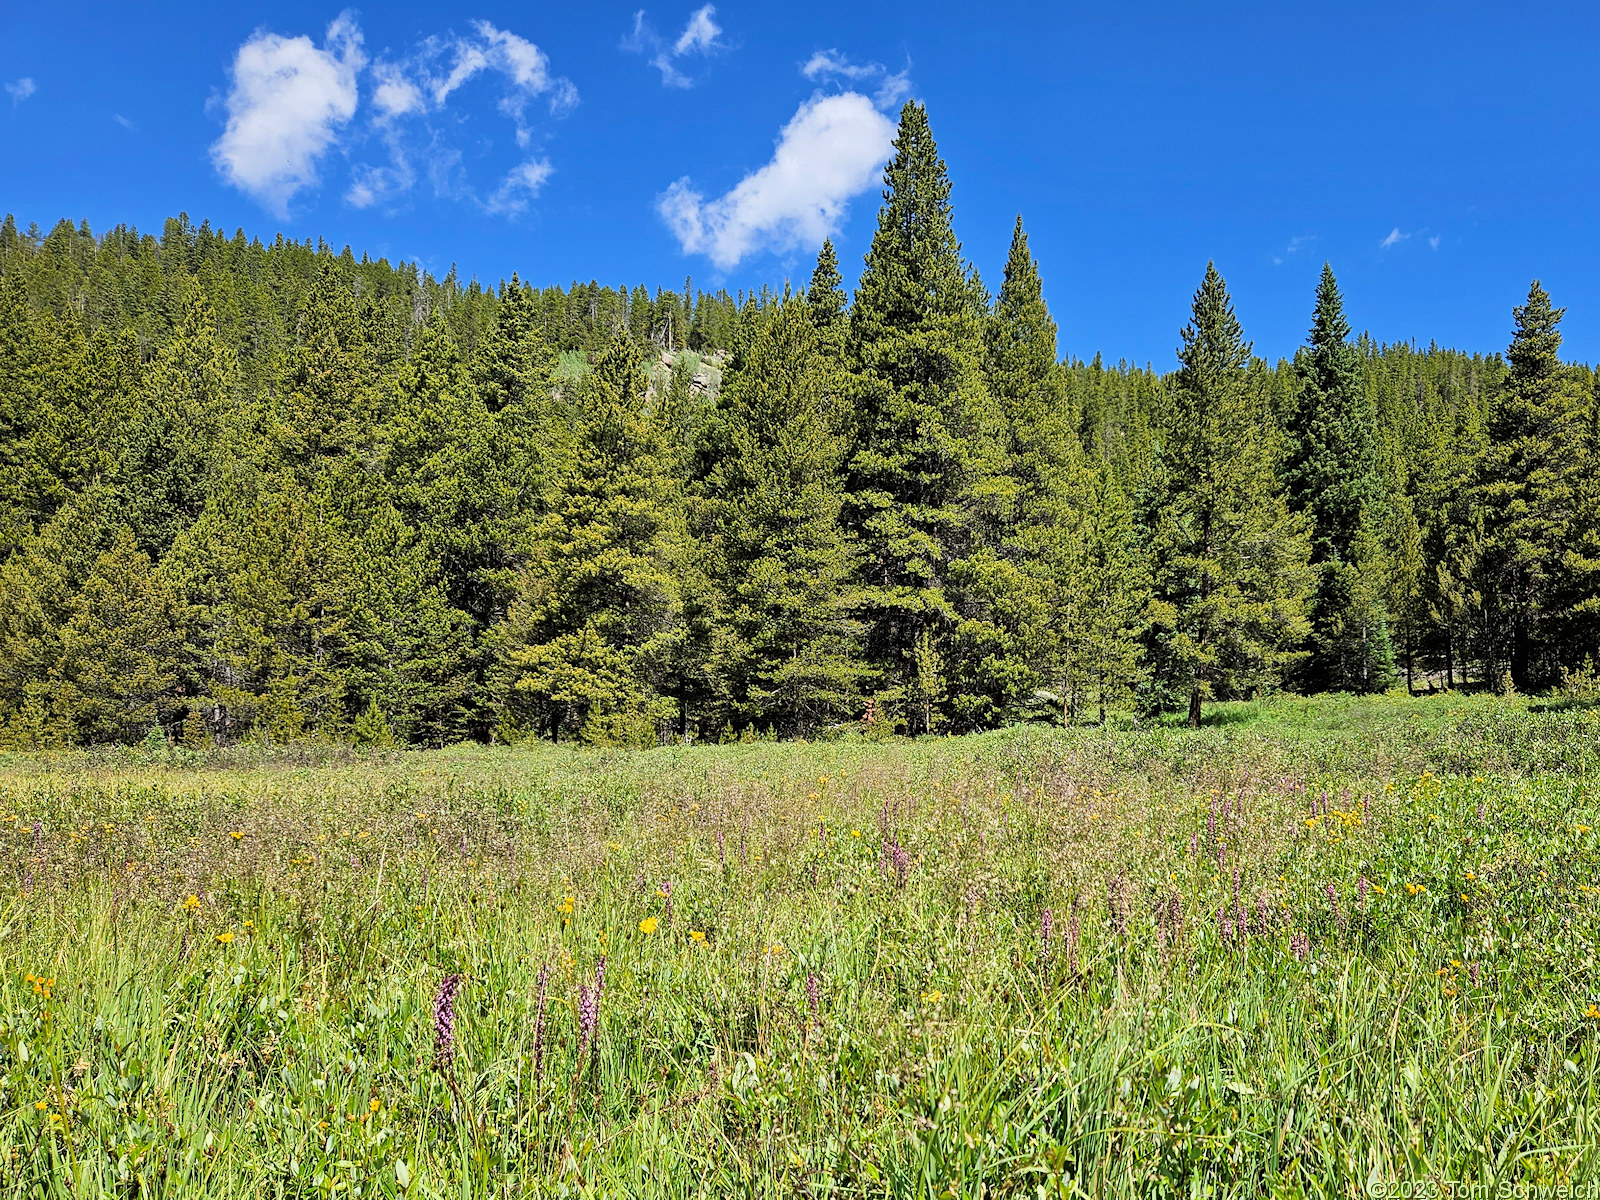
{"type": "Point", "coordinates": [217, 976]}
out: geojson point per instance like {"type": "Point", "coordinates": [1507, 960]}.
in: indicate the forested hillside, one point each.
{"type": "Point", "coordinates": [264, 491]}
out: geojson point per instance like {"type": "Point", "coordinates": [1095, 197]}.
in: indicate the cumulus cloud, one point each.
{"type": "Point", "coordinates": [828, 153]}
{"type": "Point", "coordinates": [701, 35]}
{"type": "Point", "coordinates": [830, 65]}
{"type": "Point", "coordinates": [21, 89]}
{"type": "Point", "coordinates": [291, 102]}
{"type": "Point", "coordinates": [287, 103]}
{"type": "Point", "coordinates": [1394, 238]}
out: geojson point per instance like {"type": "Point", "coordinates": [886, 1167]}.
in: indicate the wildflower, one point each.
{"type": "Point", "coordinates": [1449, 990]}
{"type": "Point", "coordinates": [588, 1016]}
{"type": "Point", "coordinates": [566, 904]}
{"type": "Point", "coordinates": [249, 926]}
{"type": "Point", "coordinates": [444, 1022]}
{"type": "Point", "coordinates": [1594, 1012]}
{"type": "Point", "coordinates": [538, 1025]}
{"type": "Point", "coordinates": [1045, 923]}
{"type": "Point", "coordinates": [1361, 890]}
{"type": "Point", "coordinates": [648, 925]}
{"type": "Point", "coordinates": [855, 833]}
{"type": "Point", "coordinates": [1300, 946]}
{"type": "Point", "coordinates": [697, 935]}
{"type": "Point", "coordinates": [1581, 828]}
{"type": "Point", "coordinates": [225, 938]}
{"type": "Point", "coordinates": [813, 998]}
{"type": "Point", "coordinates": [374, 1104]}
{"type": "Point", "coordinates": [932, 997]}
{"type": "Point", "coordinates": [41, 1105]}
{"type": "Point", "coordinates": [236, 834]}
{"type": "Point", "coordinates": [191, 902]}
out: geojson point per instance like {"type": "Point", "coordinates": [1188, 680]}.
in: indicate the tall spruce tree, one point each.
{"type": "Point", "coordinates": [1526, 490]}
{"type": "Point", "coordinates": [1232, 574]}
{"type": "Point", "coordinates": [1334, 479]}
{"type": "Point", "coordinates": [923, 428]}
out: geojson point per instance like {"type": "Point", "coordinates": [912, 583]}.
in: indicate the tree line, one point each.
{"type": "Point", "coordinates": [269, 491]}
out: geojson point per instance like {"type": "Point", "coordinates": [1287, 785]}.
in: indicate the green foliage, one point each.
{"type": "Point", "coordinates": [1232, 578]}
{"type": "Point", "coordinates": [351, 488]}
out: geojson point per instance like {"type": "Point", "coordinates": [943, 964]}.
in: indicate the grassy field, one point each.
{"type": "Point", "coordinates": [1312, 947]}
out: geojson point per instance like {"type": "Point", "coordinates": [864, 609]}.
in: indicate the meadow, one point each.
{"type": "Point", "coordinates": [1317, 948]}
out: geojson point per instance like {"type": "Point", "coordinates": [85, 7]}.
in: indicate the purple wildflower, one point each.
{"type": "Point", "coordinates": [814, 999]}
{"type": "Point", "coordinates": [538, 1026]}
{"type": "Point", "coordinates": [444, 1022]}
{"type": "Point", "coordinates": [1361, 890]}
{"type": "Point", "coordinates": [588, 1017]}
{"type": "Point", "coordinates": [896, 858]}
{"type": "Point", "coordinates": [1300, 946]}
{"type": "Point", "coordinates": [722, 848]}
{"type": "Point", "coordinates": [1046, 924]}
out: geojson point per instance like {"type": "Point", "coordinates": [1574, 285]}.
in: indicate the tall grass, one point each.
{"type": "Point", "coordinates": [218, 977]}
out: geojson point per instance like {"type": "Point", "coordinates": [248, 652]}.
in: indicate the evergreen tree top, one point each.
{"type": "Point", "coordinates": [1535, 351]}
{"type": "Point", "coordinates": [826, 296]}
{"type": "Point", "coordinates": [1213, 340]}
{"type": "Point", "coordinates": [914, 266]}
{"type": "Point", "coordinates": [1328, 324]}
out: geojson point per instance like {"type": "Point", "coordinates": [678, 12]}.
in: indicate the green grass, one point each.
{"type": "Point", "coordinates": [1439, 1029]}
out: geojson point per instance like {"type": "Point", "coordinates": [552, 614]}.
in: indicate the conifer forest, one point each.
{"type": "Point", "coordinates": [267, 491]}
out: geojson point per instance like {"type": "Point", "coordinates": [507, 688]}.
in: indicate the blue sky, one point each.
{"type": "Point", "coordinates": [1440, 155]}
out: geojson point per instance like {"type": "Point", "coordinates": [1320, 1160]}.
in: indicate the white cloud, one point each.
{"type": "Point", "coordinates": [827, 63]}
{"type": "Point", "coordinates": [290, 102]}
{"type": "Point", "coordinates": [1394, 239]}
{"type": "Point", "coordinates": [520, 187]}
{"type": "Point", "coordinates": [829, 152]}
{"type": "Point", "coordinates": [830, 65]}
{"type": "Point", "coordinates": [124, 122]}
{"type": "Point", "coordinates": [287, 103]}
{"type": "Point", "coordinates": [395, 95]}
{"type": "Point", "coordinates": [701, 35]}
{"type": "Point", "coordinates": [21, 89]}
{"type": "Point", "coordinates": [1433, 242]}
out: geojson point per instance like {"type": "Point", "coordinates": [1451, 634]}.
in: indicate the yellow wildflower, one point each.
{"type": "Point", "coordinates": [855, 833]}
{"type": "Point", "coordinates": [648, 925]}
{"type": "Point", "coordinates": [191, 902]}
{"type": "Point", "coordinates": [697, 935]}
{"type": "Point", "coordinates": [932, 997]}
{"type": "Point", "coordinates": [236, 834]}
{"type": "Point", "coordinates": [225, 938]}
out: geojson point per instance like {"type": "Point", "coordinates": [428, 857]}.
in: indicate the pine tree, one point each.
{"type": "Point", "coordinates": [1333, 478]}
{"type": "Point", "coordinates": [780, 564]}
{"type": "Point", "coordinates": [922, 435]}
{"type": "Point", "coordinates": [596, 597]}
{"type": "Point", "coordinates": [1526, 490]}
{"type": "Point", "coordinates": [1232, 573]}
{"type": "Point", "coordinates": [825, 296]}
{"type": "Point", "coordinates": [119, 668]}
